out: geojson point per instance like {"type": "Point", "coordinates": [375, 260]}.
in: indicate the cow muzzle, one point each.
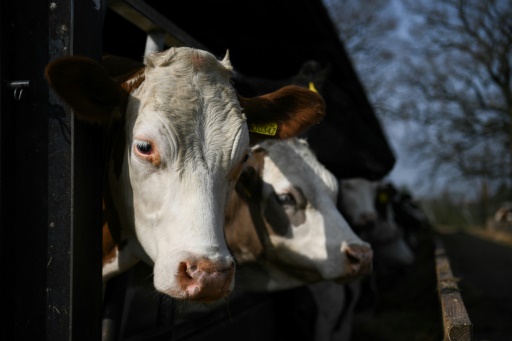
{"type": "Point", "coordinates": [359, 261]}
{"type": "Point", "coordinates": [204, 280]}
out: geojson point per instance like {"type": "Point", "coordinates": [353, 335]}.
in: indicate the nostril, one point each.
{"type": "Point", "coordinates": [352, 258]}
{"type": "Point", "coordinates": [204, 279]}
{"type": "Point", "coordinates": [358, 254]}
{"type": "Point", "coordinates": [184, 271]}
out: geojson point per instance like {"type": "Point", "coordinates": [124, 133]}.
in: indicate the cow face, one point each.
{"type": "Point", "coordinates": [182, 156]}
{"type": "Point", "coordinates": [178, 136]}
{"type": "Point", "coordinates": [357, 202]}
{"type": "Point", "coordinates": [369, 210]}
{"type": "Point", "coordinates": [289, 224]}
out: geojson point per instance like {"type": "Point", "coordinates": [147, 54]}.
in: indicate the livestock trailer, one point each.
{"type": "Point", "coordinates": [51, 164]}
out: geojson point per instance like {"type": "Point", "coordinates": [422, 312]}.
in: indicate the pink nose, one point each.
{"type": "Point", "coordinates": [204, 280]}
{"type": "Point", "coordinates": [360, 258]}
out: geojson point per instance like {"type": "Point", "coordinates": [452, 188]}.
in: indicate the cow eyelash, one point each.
{"type": "Point", "coordinates": [144, 147]}
{"type": "Point", "coordinates": [246, 156]}
{"type": "Point", "coordinates": [285, 199]}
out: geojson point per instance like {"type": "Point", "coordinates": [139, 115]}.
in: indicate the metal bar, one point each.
{"type": "Point", "coordinates": [149, 20]}
{"type": "Point", "coordinates": [87, 188]}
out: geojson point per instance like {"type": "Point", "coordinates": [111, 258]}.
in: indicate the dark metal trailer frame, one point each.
{"type": "Point", "coordinates": [50, 183]}
{"type": "Point", "coordinates": [50, 164]}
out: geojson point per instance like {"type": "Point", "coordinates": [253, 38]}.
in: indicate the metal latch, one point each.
{"type": "Point", "coordinates": [18, 87]}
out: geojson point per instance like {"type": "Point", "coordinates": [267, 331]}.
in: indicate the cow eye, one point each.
{"type": "Point", "coordinates": [246, 157]}
{"type": "Point", "coordinates": [285, 199]}
{"type": "Point", "coordinates": [144, 147]}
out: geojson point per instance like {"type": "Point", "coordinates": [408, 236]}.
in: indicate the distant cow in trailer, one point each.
{"type": "Point", "coordinates": [177, 136]}
{"type": "Point", "coordinates": [368, 207]}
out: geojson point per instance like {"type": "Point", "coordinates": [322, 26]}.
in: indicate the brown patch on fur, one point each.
{"type": "Point", "coordinates": [239, 228]}
{"type": "Point", "coordinates": [197, 60]}
{"type": "Point", "coordinates": [155, 159]}
{"type": "Point", "coordinates": [109, 245]}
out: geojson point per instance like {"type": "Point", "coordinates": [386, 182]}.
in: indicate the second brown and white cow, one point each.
{"type": "Point", "coordinates": [177, 136]}
{"type": "Point", "coordinates": [283, 226]}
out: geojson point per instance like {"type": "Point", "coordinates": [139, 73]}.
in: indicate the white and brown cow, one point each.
{"type": "Point", "coordinates": [369, 212]}
{"type": "Point", "coordinates": [282, 224]}
{"type": "Point", "coordinates": [178, 135]}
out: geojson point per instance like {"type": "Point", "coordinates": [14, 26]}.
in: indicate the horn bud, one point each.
{"type": "Point", "coordinates": [225, 61]}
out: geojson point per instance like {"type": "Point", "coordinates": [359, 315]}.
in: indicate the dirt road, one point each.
{"type": "Point", "coordinates": [483, 263]}
{"type": "Point", "coordinates": [409, 310]}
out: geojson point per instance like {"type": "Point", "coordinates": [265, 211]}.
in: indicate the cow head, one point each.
{"type": "Point", "coordinates": [282, 221]}
{"type": "Point", "coordinates": [177, 136]}
{"type": "Point", "coordinates": [369, 210]}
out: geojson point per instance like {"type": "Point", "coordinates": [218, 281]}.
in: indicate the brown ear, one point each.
{"type": "Point", "coordinates": [284, 113]}
{"type": "Point", "coordinates": [86, 87]}
{"type": "Point", "coordinates": [121, 68]}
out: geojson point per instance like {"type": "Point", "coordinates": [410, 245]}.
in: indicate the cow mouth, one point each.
{"type": "Point", "coordinates": [363, 270]}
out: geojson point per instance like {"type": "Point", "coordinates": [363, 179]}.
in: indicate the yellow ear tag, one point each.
{"type": "Point", "coordinates": [312, 87]}
{"type": "Point", "coordinates": [264, 129]}
{"type": "Point", "coordinates": [383, 197]}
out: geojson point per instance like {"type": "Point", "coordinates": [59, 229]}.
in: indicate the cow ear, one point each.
{"type": "Point", "coordinates": [121, 68]}
{"type": "Point", "coordinates": [282, 114]}
{"type": "Point", "coordinates": [85, 86]}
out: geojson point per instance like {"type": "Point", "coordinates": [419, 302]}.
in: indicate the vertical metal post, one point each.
{"type": "Point", "coordinates": [50, 177]}
{"type": "Point", "coordinates": [154, 42]}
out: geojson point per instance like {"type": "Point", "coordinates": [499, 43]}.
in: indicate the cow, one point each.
{"type": "Point", "coordinates": [283, 226]}
{"type": "Point", "coordinates": [368, 207]}
{"type": "Point", "coordinates": [177, 135]}
{"type": "Point", "coordinates": [410, 216]}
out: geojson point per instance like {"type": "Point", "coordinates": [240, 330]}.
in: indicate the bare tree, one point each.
{"type": "Point", "coordinates": [456, 85]}
{"type": "Point", "coordinates": [366, 29]}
